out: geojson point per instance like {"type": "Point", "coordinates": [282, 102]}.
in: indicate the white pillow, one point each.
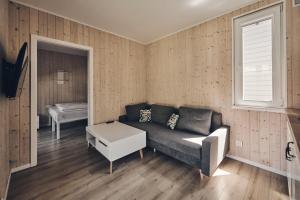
{"type": "Point", "coordinates": [145, 115]}
{"type": "Point", "coordinates": [172, 121]}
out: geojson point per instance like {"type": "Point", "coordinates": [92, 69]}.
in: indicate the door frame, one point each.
{"type": "Point", "coordinates": [35, 39]}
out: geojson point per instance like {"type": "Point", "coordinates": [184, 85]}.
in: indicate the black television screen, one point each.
{"type": "Point", "coordinates": [14, 74]}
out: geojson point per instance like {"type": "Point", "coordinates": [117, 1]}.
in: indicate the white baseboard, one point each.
{"type": "Point", "coordinates": [7, 186]}
{"type": "Point", "coordinates": [13, 170]}
{"type": "Point", "coordinates": [20, 168]}
{"type": "Point", "coordinates": [256, 164]}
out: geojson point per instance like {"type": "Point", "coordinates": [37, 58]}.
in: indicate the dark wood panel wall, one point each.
{"type": "Point", "coordinates": [74, 88]}
{"type": "Point", "coordinates": [119, 71]}
{"type": "Point", "coordinates": [194, 67]}
{"type": "Point", "coordinates": [4, 143]}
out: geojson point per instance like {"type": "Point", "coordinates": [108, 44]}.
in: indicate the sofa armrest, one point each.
{"type": "Point", "coordinates": [214, 149]}
{"type": "Point", "coordinates": [123, 118]}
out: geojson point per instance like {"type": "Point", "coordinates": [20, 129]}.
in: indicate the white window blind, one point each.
{"type": "Point", "coordinates": [259, 70]}
{"type": "Point", "coordinates": [257, 61]}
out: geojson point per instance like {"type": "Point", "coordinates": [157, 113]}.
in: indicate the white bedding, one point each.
{"type": "Point", "coordinates": [67, 116]}
{"type": "Point", "coordinates": [72, 106]}
{"type": "Point", "coordinates": [63, 113]}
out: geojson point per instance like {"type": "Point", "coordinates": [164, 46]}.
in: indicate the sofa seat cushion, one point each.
{"type": "Point", "coordinates": [181, 141]}
{"type": "Point", "coordinates": [148, 126]}
{"type": "Point", "coordinates": [184, 157]}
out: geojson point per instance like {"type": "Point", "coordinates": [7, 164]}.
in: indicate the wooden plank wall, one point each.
{"type": "Point", "coordinates": [4, 143]}
{"type": "Point", "coordinates": [119, 70]}
{"type": "Point", "coordinates": [49, 92]}
{"type": "Point", "coordinates": [294, 54]}
{"type": "Point", "coordinates": [194, 67]}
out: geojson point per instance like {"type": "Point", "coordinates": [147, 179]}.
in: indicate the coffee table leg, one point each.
{"type": "Point", "coordinates": [141, 154]}
{"type": "Point", "coordinates": [110, 167]}
{"type": "Point", "coordinates": [53, 125]}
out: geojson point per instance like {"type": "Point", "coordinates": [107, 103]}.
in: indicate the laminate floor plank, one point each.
{"type": "Point", "coordinates": [68, 170]}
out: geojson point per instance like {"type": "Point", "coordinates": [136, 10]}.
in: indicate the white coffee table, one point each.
{"type": "Point", "coordinates": [116, 140]}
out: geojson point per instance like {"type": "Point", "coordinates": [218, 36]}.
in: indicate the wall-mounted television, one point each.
{"type": "Point", "coordinates": [14, 74]}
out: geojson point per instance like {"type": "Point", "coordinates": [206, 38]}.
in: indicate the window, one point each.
{"type": "Point", "coordinates": [259, 70]}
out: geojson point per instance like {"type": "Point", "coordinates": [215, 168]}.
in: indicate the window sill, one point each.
{"type": "Point", "coordinates": [261, 109]}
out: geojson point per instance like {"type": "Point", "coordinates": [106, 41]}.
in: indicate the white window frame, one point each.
{"type": "Point", "coordinates": [279, 85]}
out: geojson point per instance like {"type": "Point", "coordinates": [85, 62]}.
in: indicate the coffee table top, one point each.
{"type": "Point", "coordinates": [111, 132]}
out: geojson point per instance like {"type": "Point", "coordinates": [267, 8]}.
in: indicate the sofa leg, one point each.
{"type": "Point", "coordinates": [201, 175]}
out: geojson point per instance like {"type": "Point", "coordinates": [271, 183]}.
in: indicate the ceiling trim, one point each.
{"type": "Point", "coordinates": [131, 39]}
{"type": "Point", "coordinates": [74, 20]}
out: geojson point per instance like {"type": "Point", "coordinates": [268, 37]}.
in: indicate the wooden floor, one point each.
{"type": "Point", "coordinates": [68, 170]}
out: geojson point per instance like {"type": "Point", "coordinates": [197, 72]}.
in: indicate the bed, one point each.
{"type": "Point", "coordinates": [64, 113]}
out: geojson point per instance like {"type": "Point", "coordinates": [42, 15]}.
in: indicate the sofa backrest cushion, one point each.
{"type": "Point", "coordinates": [196, 120]}
{"type": "Point", "coordinates": [160, 114]}
{"type": "Point", "coordinates": [133, 111]}
{"type": "Point", "coordinates": [216, 121]}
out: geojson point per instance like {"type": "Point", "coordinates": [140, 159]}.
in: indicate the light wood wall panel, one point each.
{"type": "Point", "coordinates": [294, 54]}
{"type": "Point", "coordinates": [119, 71]}
{"type": "Point", "coordinates": [74, 88]}
{"type": "Point", "coordinates": [4, 123]}
{"type": "Point", "coordinates": [194, 67]}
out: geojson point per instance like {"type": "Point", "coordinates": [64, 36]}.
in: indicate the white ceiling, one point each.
{"type": "Point", "coordinates": [140, 20]}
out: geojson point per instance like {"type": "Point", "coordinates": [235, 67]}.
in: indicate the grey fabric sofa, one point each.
{"type": "Point", "coordinates": [203, 151]}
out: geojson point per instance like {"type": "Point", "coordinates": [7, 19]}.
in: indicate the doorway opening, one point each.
{"type": "Point", "coordinates": [61, 90]}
